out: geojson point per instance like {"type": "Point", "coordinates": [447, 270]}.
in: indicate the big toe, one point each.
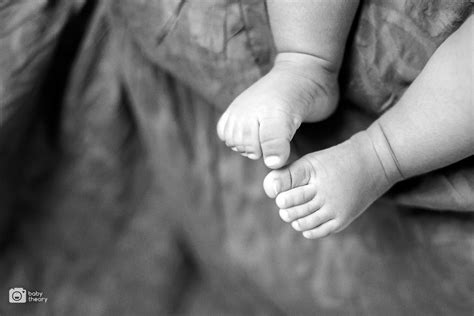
{"type": "Point", "coordinates": [296, 175]}
{"type": "Point", "coordinates": [275, 136]}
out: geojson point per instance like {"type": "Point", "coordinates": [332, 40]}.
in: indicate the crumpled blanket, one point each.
{"type": "Point", "coordinates": [117, 198]}
{"type": "Point", "coordinates": [220, 47]}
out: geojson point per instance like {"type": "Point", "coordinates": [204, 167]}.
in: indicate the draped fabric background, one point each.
{"type": "Point", "coordinates": [116, 197]}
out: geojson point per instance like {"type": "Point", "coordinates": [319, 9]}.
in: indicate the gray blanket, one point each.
{"type": "Point", "coordinates": [117, 198]}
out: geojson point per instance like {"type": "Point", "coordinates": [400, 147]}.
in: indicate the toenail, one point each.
{"type": "Point", "coordinates": [276, 187]}
{"type": "Point", "coordinates": [295, 225]}
{"type": "Point", "coordinates": [307, 234]}
{"type": "Point", "coordinates": [252, 156]}
{"type": "Point", "coordinates": [272, 161]}
{"type": "Point", "coordinates": [234, 149]}
{"type": "Point", "coordinates": [245, 155]}
{"type": "Point", "coordinates": [284, 215]}
{"type": "Point", "coordinates": [280, 201]}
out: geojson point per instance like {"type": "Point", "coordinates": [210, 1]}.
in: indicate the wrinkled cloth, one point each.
{"type": "Point", "coordinates": [117, 198]}
{"type": "Point", "coordinates": [220, 47]}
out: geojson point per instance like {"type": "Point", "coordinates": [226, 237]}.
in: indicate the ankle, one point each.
{"type": "Point", "coordinates": [382, 151]}
{"type": "Point", "coordinates": [314, 82]}
{"type": "Point", "coordinates": [382, 175]}
{"type": "Point", "coordinates": [305, 64]}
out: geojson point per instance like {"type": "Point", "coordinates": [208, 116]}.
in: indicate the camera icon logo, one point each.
{"type": "Point", "coordinates": [17, 295]}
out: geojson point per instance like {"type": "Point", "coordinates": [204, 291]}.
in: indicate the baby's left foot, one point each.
{"type": "Point", "coordinates": [262, 120]}
{"type": "Point", "coordinates": [325, 191]}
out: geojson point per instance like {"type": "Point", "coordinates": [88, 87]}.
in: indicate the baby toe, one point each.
{"type": "Point", "coordinates": [252, 152]}
{"type": "Point", "coordinates": [296, 175]}
{"type": "Point", "coordinates": [312, 221]}
{"type": "Point", "coordinates": [290, 214]}
{"type": "Point", "coordinates": [275, 135]}
{"type": "Point", "coordinates": [253, 155]}
{"type": "Point", "coordinates": [275, 152]}
{"type": "Point", "coordinates": [239, 148]}
{"type": "Point", "coordinates": [221, 126]}
{"type": "Point", "coordinates": [296, 196]}
{"type": "Point", "coordinates": [272, 184]}
{"type": "Point", "coordinates": [250, 139]}
{"type": "Point", "coordinates": [229, 133]}
{"type": "Point", "coordinates": [321, 231]}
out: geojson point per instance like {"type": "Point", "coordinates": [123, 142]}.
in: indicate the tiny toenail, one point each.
{"type": "Point", "coordinates": [234, 149]}
{"type": "Point", "coordinates": [280, 201]}
{"type": "Point", "coordinates": [252, 156]}
{"type": "Point", "coordinates": [295, 225]}
{"type": "Point", "coordinates": [284, 215]}
{"type": "Point", "coordinates": [307, 234]}
{"type": "Point", "coordinates": [276, 187]}
{"type": "Point", "coordinates": [245, 155]}
{"type": "Point", "coordinates": [272, 161]}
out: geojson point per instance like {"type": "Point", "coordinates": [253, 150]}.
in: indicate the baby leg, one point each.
{"type": "Point", "coordinates": [301, 87]}
{"type": "Point", "coordinates": [429, 128]}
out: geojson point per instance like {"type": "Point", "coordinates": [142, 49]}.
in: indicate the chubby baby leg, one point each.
{"type": "Point", "coordinates": [301, 87]}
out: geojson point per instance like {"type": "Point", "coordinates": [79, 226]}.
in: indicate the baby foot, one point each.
{"type": "Point", "coordinates": [325, 191]}
{"type": "Point", "coordinates": [263, 119]}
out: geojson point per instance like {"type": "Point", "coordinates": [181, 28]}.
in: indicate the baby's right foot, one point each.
{"type": "Point", "coordinates": [263, 119]}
